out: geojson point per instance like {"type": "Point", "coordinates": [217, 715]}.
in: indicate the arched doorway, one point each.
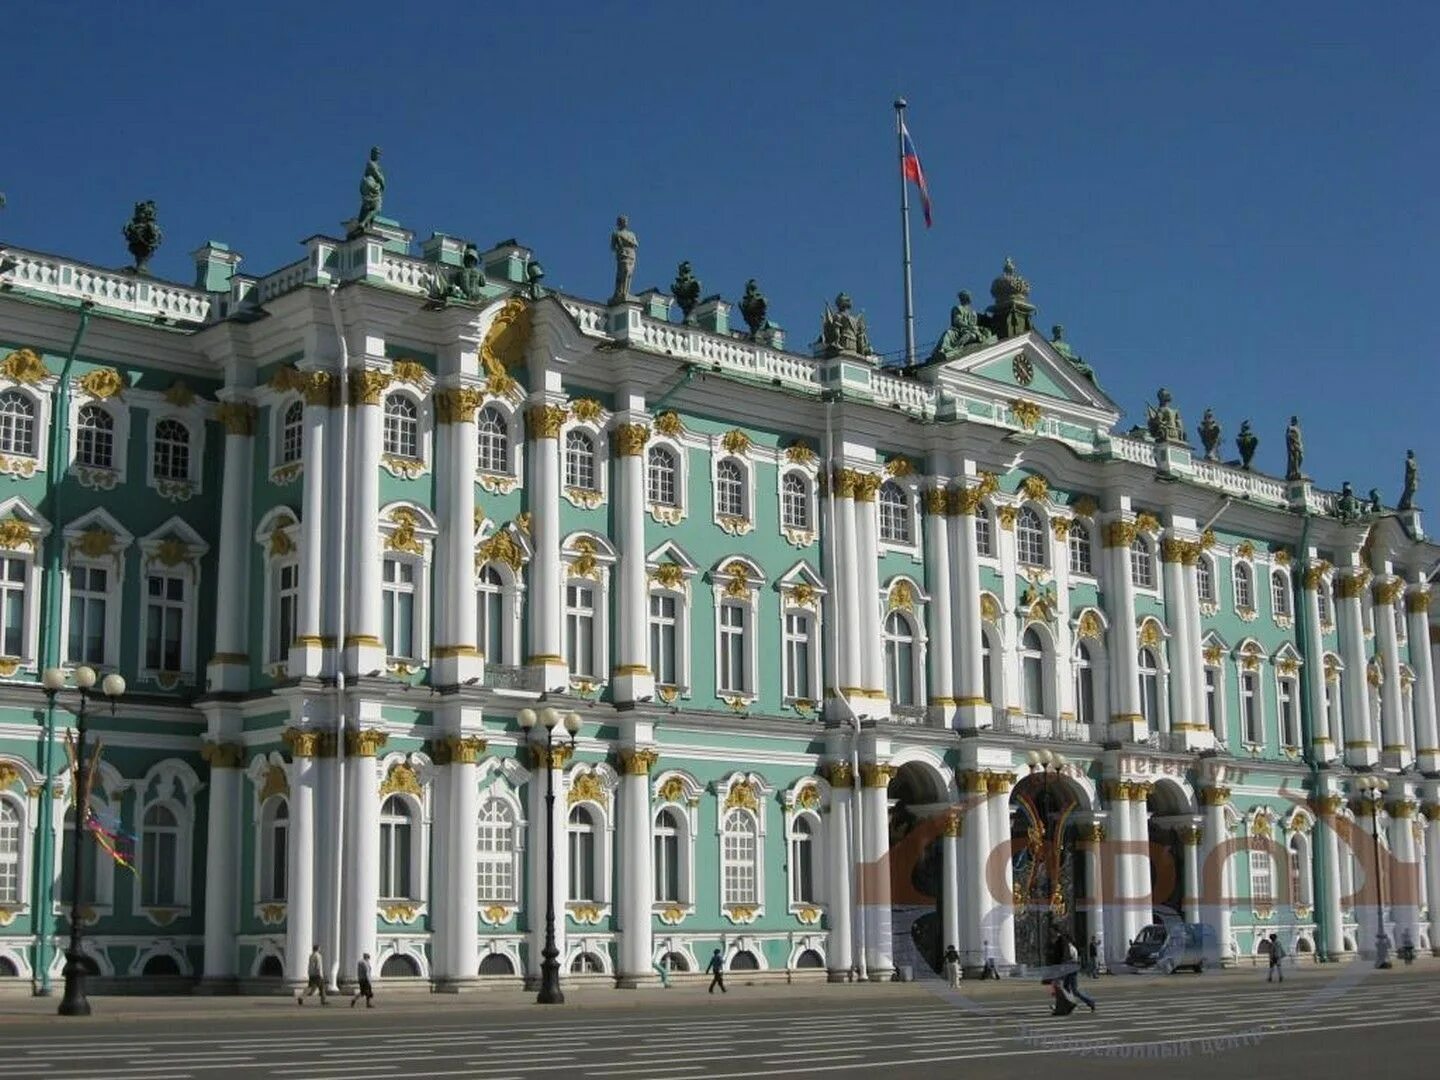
{"type": "Point", "coordinates": [1048, 870]}
{"type": "Point", "coordinates": [1169, 814]}
{"type": "Point", "coordinates": [917, 793]}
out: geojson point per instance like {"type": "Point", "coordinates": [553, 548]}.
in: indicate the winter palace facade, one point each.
{"type": "Point", "coordinates": [867, 662]}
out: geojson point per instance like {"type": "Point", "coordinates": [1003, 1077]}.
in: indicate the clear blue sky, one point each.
{"type": "Point", "coordinates": [1235, 200]}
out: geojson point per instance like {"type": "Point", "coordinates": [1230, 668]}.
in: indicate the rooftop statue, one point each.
{"type": "Point", "coordinates": [753, 308]}
{"type": "Point", "coordinates": [1061, 346]}
{"type": "Point", "coordinates": [1412, 481]}
{"type": "Point", "coordinates": [1011, 313]}
{"type": "Point", "coordinates": [1294, 450]}
{"type": "Point", "coordinates": [686, 290]}
{"type": "Point", "coordinates": [468, 282]}
{"type": "Point", "coordinates": [841, 328]}
{"type": "Point", "coordinates": [372, 192]}
{"type": "Point", "coordinates": [965, 331]}
{"type": "Point", "coordinates": [1210, 432]}
{"type": "Point", "coordinates": [1347, 506]}
{"type": "Point", "coordinates": [1164, 421]}
{"type": "Point", "coordinates": [1246, 442]}
{"type": "Point", "coordinates": [143, 235]}
{"type": "Point", "coordinates": [1377, 505]}
{"type": "Point", "coordinates": [624, 244]}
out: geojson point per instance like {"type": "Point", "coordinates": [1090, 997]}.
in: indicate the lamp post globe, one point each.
{"type": "Point", "coordinates": [113, 686]}
{"type": "Point", "coordinates": [53, 680]}
{"type": "Point", "coordinates": [84, 676]}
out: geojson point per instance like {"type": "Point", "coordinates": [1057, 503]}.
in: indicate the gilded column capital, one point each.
{"type": "Point", "coordinates": [1315, 573]}
{"type": "Point", "coordinates": [638, 762]}
{"type": "Point", "coordinates": [302, 743]}
{"type": "Point", "coordinates": [1327, 805]}
{"type": "Point", "coordinates": [1214, 796]}
{"type": "Point", "coordinates": [1172, 550]}
{"type": "Point", "coordinates": [1417, 600]}
{"type": "Point", "coordinates": [629, 439]}
{"type": "Point", "coordinates": [936, 500]}
{"type": "Point", "coordinates": [1400, 808]}
{"type": "Point", "coordinates": [866, 485]}
{"type": "Point", "coordinates": [1351, 586]}
{"type": "Point", "coordinates": [457, 749]}
{"type": "Point", "coordinates": [972, 782]}
{"type": "Point", "coordinates": [238, 417]}
{"type": "Point", "coordinates": [457, 405]}
{"type": "Point", "coordinates": [319, 389]}
{"type": "Point", "coordinates": [876, 775]}
{"type": "Point", "coordinates": [222, 755]}
{"type": "Point", "coordinates": [844, 486]}
{"type": "Point", "coordinates": [1060, 526]}
{"type": "Point", "coordinates": [1431, 811]}
{"type": "Point", "coordinates": [954, 824]}
{"type": "Point", "coordinates": [545, 421]}
{"type": "Point", "coordinates": [1007, 516]}
{"type": "Point", "coordinates": [999, 783]}
{"type": "Point", "coordinates": [365, 743]}
{"type": "Point", "coordinates": [1191, 835]}
{"type": "Point", "coordinates": [1092, 832]}
{"type": "Point", "coordinates": [1120, 534]}
{"type": "Point", "coordinates": [553, 757]}
{"type": "Point", "coordinates": [838, 774]}
{"type": "Point", "coordinates": [1389, 590]}
{"type": "Point", "coordinates": [366, 386]}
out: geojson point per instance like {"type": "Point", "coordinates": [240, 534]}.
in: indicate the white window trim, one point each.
{"type": "Point", "coordinates": [411, 468]}
{"type": "Point", "coordinates": [986, 512]}
{"type": "Point", "coordinates": [609, 783]}
{"type": "Point", "coordinates": [809, 473]}
{"type": "Point", "coordinates": [284, 472]}
{"type": "Point", "coordinates": [30, 552]}
{"type": "Point", "coordinates": [193, 421]}
{"type": "Point", "coordinates": [812, 674]}
{"type": "Point", "coordinates": [392, 517]}
{"type": "Point", "coordinates": [678, 791]}
{"type": "Point", "coordinates": [1222, 718]}
{"type": "Point", "coordinates": [164, 776]}
{"type": "Point", "coordinates": [1049, 669]}
{"type": "Point", "coordinates": [420, 823]}
{"type": "Point", "coordinates": [1305, 897]}
{"type": "Point", "coordinates": [723, 795]}
{"type": "Point", "coordinates": [669, 515]}
{"type": "Point", "coordinates": [732, 525]}
{"type": "Point", "coordinates": [41, 394]}
{"type": "Point", "coordinates": [1212, 605]}
{"type": "Point", "coordinates": [1047, 543]}
{"type": "Point", "coordinates": [1259, 697]}
{"type": "Point", "coordinates": [1154, 555]}
{"type": "Point", "coordinates": [600, 439]}
{"type": "Point", "coordinates": [1079, 525]}
{"type": "Point", "coordinates": [1162, 682]}
{"type": "Point", "coordinates": [89, 476]}
{"type": "Point", "coordinates": [279, 536]}
{"type": "Point", "coordinates": [909, 487]}
{"type": "Point", "coordinates": [589, 560]}
{"type": "Point", "coordinates": [114, 563]}
{"type": "Point", "coordinates": [506, 482]}
{"type": "Point", "coordinates": [173, 548]}
{"type": "Point", "coordinates": [681, 595]}
{"type": "Point", "coordinates": [501, 778]}
{"type": "Point", "coordinates": [512, 611]}
{"type": "Point", "coordinates": [725, 588]}
{"type": "Point", "coordinates": [1246, 613]}
{"type": "Point", "coordinates": [794, 585]}
{"type": "Point", "coordinates": [817, 793]}
{"type": "Point", "coordinates": [507, 799]}
{"type": "Point", "coordinates": [1285, 619]}
{"type": "Point", "coordinates": [258, 772]}
{"type": "Point", "coordinates": [915, 615]}
{"type": "Point", "coordinates": [27, 808]}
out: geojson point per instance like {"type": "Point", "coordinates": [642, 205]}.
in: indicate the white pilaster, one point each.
{"type": "Point", "coordinates": [456, 756]}
{"type": "Point", "coordinates": [851, 678]}
{"type": "Point", "coordinates": [1332, 921]}
{"type": "Point", "coordinates": [307, 651]}
{"type": "Point", "coordinates": [1117, 929]}
{"type": "Point", "coordinates": [937, 579]}
{"type": "Point", "coordinates": [1427, 744]}
{"type": "Point", "coordinates": [1002, 913]}
{"type": "Point", "coordinates": [1142, 909]}
{"type": "Point", "coordinates": [456, 655]}
{"type": "Point", "coordinates": [222, 840]}
{"type": "Point", "coordinates": [1215, 870]}
{"type": "Point", "coordinates": [1402, 894]}
{"type": "Point", "coordinates": [1200, 736]}
{"type": "Point", "coordinates": [950, 883]}
{"type": "Point", "coordinates": [1190, 836]}
{"type": "Point", "coordinates": [363, 645]}
{"type": "Point", "coordinates": [1360, 748]}
{"type": "Point", "coordinates": [1094, 855]}
{"type": "Point", "coordinates": [300, 873]}
{"type": "Point", "coordinates": [1395, 748]}
{"type": "Point", "coordinates": [361, 895]}
{"type": "Point", "coordinates": [633, 679]}
{"type": "Point", "coordinates": [839, 881]}
{"type": "Point", "coordinates": [1431, 811]}
{"type": "Point", "coordinates": [972, 711]}
{"type": "Point", "coordinates": [229, 667]}
{"type": "Point", "coordinates": [1322, 739]}
{"type": "Point", "coordinates": [543, 420]}
{"type": "Point", "coordinates": [879, 958]}
{"type": "Point", "coordinates": [637, 861]}
{"type": "Point", "coordinates": [975, 837]}
{"type": "Point", "coordinates": [867, 552]}
{"type": "Point", "coordinates": [1127, 722]}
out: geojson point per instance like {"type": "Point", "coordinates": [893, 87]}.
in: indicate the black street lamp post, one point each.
{"type": "Point", "coordinates": [542, 736]}
{"type": "Point", "coordinates": [74, 1002]}
{"type": "Point", "coordinates": [1372, 790]}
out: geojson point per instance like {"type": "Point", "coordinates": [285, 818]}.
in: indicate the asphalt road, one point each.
{"type": "Point", "coordinates": [1328, 1023]}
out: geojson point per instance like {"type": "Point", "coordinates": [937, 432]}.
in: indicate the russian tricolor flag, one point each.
{"type": "Point", "coordinates": [910, 167]}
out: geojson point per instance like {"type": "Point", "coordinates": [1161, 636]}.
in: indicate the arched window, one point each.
{"type": "Point", "coordinates": [396, 828]}
{"type": "Point", "coordinates": [17, 424]}
{"type": "Point", "coordinates": [1030, 545]}
{"type": "Point", "coordinates": [794, 501]}
{"type": "Point", "coordinates": [161, 964]}
{"type": "Point", "coordinates": [95, 438]}
{"type": "Point", "coordinates": [894, 513]}
{"type": "Point", "coordinates": [738, 851]}
{"type": "Point", "coordinates": [662, 476]}
{"type": "Point", "coordinates": [667, 857]}
{"type": "Point", "coordinates": [674, 961]}
{"type": "Point", "coordinates": [900, 659]}
{"type": "Point", "coordinates": [171, 452]}
{"type": "Point", "coordinates": [1150, 687]}
{"type": "Point", "coordinates": [1280, 594]}
{"type": "Point", "coordinates": [579, 461]}
{"type": "Point", "coordinates": [802, 861]}
{"type": "Point", "coordinates": [1142, 563]}
{"type": "Point", "coordinates": [1205, 580]}
{"type": "Point", "coordinates": [9, 853]}
{"type": "Point", "coordinates": [1244, 587]}
{"type": "Point", "coordinates": [402, 427]}
{"type": "Point", "coordinates": [490, 611]}
{"type": "Point", "coordinates": [159, 852]}
{"type": "Point", "coordinates": [1032, 672]}
{"type": "Point", "coordinates": [730, 489]}
{"type": "Point", "coordinates": [809, 959]}
{"type": "Point", "coordinates": [582, 854]}
{"type": "Point", "coordinates": [1250, 707]}
{"type": "Point", "coordinates": [399, 966]}
{"type": "Point", "coordinates": [271, 968]}
{"type": "Point", "coordinates": [1080, 550]}
{"type": "Point", "coordinates": [495, 853]}
{"type": "Point", "coordinates": [292, 433]}
{"type": "Point", "coordinates": [586, 963]}
{"type": "Point", "coordinates": [1085, 708]}
{"type": "Point", "coordinates": [274, 849]}
{"type": "Point", "coordinates": [744, 960]}
{"type": "Point", "coordinates": [497, 964]}
{"type": "Point", "coordinates": [492, 441]}
{"type": "Point", "coordinates": [984, 535]}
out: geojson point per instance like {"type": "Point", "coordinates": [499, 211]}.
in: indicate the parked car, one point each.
{"type": "Point", "coordinates": [1165, 947]}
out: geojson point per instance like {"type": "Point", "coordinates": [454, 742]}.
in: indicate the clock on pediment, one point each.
{"type": "Point", "coordinates": [1023, 368]}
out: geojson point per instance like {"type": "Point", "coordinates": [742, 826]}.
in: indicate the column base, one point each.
{"type": "Point", "coordinates": [1361, 757]}
{"type": "Point", "coordinates": [550, 674]}
{"type": "Point", "coordinates": [1194, 737]}
{"type": "Point", "coordinates": [844, 975]}
{"type": "Point", "coordinates": [1128, 728]}
{"type": "Point", "coordinates": [1323, 750]}
{"type": "Point", "coordinates": [454, 665]}
{"type": "Point", "coordinates": [217, 986]}
{"type": "Point", "coordinates": [1394, 757]}
{"type": "Point", "coordinates": [941, 712]}
{"type": "Point", "coordinates": [632, 687]}
{"type": "Point", "coordinates": [227, 672]}
{"type": "Point", "coordinates": [973, 714]}
{"type": "Point", "coordinates": [638, 982]}
{"type": "Point", "coordinates": [873, 705]}
{"type": "Point", "coordinates": [456, 986]}
{"type": "Point", "coordinates": [364, 655]}
{"type": "Point", "coordinates": [307, 658]}
{"type": "Point", "coordinates": [1428, 761]}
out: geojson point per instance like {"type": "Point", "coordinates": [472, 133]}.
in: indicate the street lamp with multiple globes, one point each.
{"type": "Point", "coordinates": [541, 727]}
{"type": "Point", "coordinates": [1048, 762]}
{"type": "Point", "coordinates": [1372, 792]}
{"type": "Point", "coordinates": [75, 1003]}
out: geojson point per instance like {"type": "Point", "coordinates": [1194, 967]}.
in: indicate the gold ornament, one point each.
{"type": "Point", "coordinates": [545, 421]}
{"type": "Point", "coordinates": [902, 597]}
{"type": "Point", "coordinates": [221, 755]}
{"type": "Point", "coordinates": [505, 342]}
{"type": "Point", "coordinates": [630, 439]}
{"type": "Point", "coordinates": [876, 775]}
{"type": "Point", "coordinates": [302, 743]}
{"type": "Point", "coordinates": [238, 417]}
{"type": "Point", "coordinates": [457, 405]}
{"type": "Point", "coordinates": [866, 486]}
{"type": "Point", "coordinates": [638, 762]}
{"type": "Point", "coordinates": [409, 371]}
{"type": "Point", "coordinates": [668, 423]}
{"type": "Point", "coordinates": [402, 538]}
{"type": "Point", "coordinates": [742, 795]}
{"type": "Point", "coordinates": [103, 383]}
{"type": "Point", "coordinates": [24, 366]}
{"type": "Point", "coordinates": [738, 585]}
{"type": "Point", "coordinates": [1027, 414]}
{"type": "Point", "coordinates": [1035, 487]}
{"type": "Point", "coordinates": [799, 453]}
{"type": "Point", "coordinates": [367, 743]}
{"type": "Point", "coordinates": [736, 442]}
{"type": "Point", "coordinates": [367, 385]}
{"type": "Point", "coordinates": [899, 466]}
{"type": "Point", "coordinates": [670, 575]}
{"type": "Point", "coordinates": [15, 535]}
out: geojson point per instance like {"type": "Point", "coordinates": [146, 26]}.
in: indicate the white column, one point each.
{"type": "Point", "coordinates": [554, 762]}
{"type": "Point", "coordinates": [1395, 741]}
{"type": "Point", "coordinates": [1402, 889]}
{"type": "Point", "coordinates": [851, 676]}
{"type": "Point", "coordinates": [1008, 691]}
{"type": "Point", "coordinates": [950, 884]}
{"type": "Point", "coordinates": [1322, 739]}
{"type": "Point", "coordinates": [840, 889]}
{"type": "Point", "coordinates": [545, 598]}
{"type": "Point", "coordinates": [222, 840]}
{"type": "Point", "coordinates": [1182, 672]}
{"type": "Point", "coordinates": [307, 651]}
{"type": "Point", "coordinates": [229, 667]}
{"type": "Point", "coordinates": [300, 873]}
{"type": "Point", "coordinates": [975, 835]}
{"type": "Point", "coordinates": [867, 553]}
{"type": "Point", "coordinates": [1002, 920]}
{"type": "Point", "coordinates": [1332, 921]}
{"type": "Point", "coordinates": [1431, 811]}
{"type": "Point", "coordinates": [633, 679]}
{"type": "Point", "coordinates": [1127, 722]}
{"type": "Point", "coordinates": [1427, 744]}
{"type": "Point", "coordinates": [456, 655]}
{"type": "Point", "coordinates": [361, 896]}
{"type": "Point", "coordinates": [636, 869]}
{"type": "Point", "coordinates": [937, 580]}
{"type": "Point", "coordinates": [1094, 853]}
{"type": "Point", "coordinates": [1202, 736]}
{"type": "Point", "coordinates": [458, 756]}
{"type": "Point", "coordinates": [972, 710]}
{"type": "Point", "coordinates": [1064, 630]}
{"type": "Point", "coordinates": [875, 779]}
{"type": "Point", "coordinates": [1142, 910]}
{"type": "Point", "coordinates": [364, 648]}
{"type": "Point", "coordinates": [1360, 748]}
{"type": "Point", "coordinates": [1190, 836]}
{"type": "Point", "coordinates": [1215, 893]}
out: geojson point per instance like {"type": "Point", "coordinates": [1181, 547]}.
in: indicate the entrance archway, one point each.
{"type": "Point", "coordinates": [1168, 811]}
{"type": "Point", "coordinates": [1049, 872]}
{"type": "Point", "coordinates": [916, 793]}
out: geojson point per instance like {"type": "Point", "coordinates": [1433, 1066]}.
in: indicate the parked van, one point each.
{"type": "Point", "coordinates": [1165, 947]}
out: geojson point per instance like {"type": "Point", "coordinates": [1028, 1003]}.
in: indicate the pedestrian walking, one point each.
{"type": "Point", "coordinates": [717, 971]}
{"type": "Point", "coordinates": [952, 967]}
{"type": "Point", "coordinates": [1093, 951]}
{"type": "Point", "coordinates": [365, 990]}
{"type": "Point", "coordinates": [1277, 953]}
{"type": "Point", "coordinates": [989, 971]}
{"type": "Point", "coordinates": [314, 977]}
{"type": "Point", "coordinates": [1070, 965]}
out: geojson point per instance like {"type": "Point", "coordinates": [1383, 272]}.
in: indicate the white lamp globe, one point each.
{"type": "Point", "coordinates": [549, 717]}
{"type": "Point", "coordinates": [53, 679]}
{"type": "Point", "coordinates": [113, 685]}
{"type": "Point", "coordinates": [84, 676]}
{"type": "Point", "coordinates": [572, 723]}
{"type": "Point", "coordinates": [526, 718]}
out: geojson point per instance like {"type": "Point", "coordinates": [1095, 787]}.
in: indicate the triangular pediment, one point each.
{"type": "Point", "coordinates": [1026, 366]}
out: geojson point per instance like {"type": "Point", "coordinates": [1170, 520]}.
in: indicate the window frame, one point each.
{"type": "Point", "coordinates": [268, 823]}
{"type": "Point", "coordinates": [26, 553]}
{"type": "Point", "coordinates": [892, 643]}
{"type": "Point", "coordinates": [1039, 533]}
{"type": "Point", "coordinates": [1282, 603]}
{"type": "Point", "coordinates": [679, 793]}
{"type": "Point", "coordinates": [1205, 592]}
{"type": "Point", "coordinates": [1156, 672]}
{"type": "Point", "coordinates": [983, 525]}
{"type": "Point", "coordinates": [679, 455]}
{"type": "Point", "coordinates": [391, 821]}
{"type": "Point", "coordinates": [729, 589]}
{"type": "Point", "coordinates": [1242, 571]}
{"type": "Point", "coordinates": [40, 395]}
{"type": "Point", "coordinates": [1080, 539]}
{"type": "Point", "coordinates": [802, 534]}
{"type": "Point", "coordinates": [599, 438]}
{"type": "Point", "coordinates": [498, 483]}
{"type": "Point", "coordinates": [29, 448]}
{"type": "Point", "coordinates": [113, 444]}
{"type": "Point", "coordinates": [514, 856]}
{"type": "Point", "coordinates": [173, 550]}
{"type": "Point", "coordinates": [279, 536]}
{"type": "Point", "coordinates": [901, 503]}
{"type": "Point", "coordinates": [748, 888]}
{"type": "Point", "coordinates": [1287, 691]}
{"type": "Point", "coordinates": [814, 841]}
{"type": "Point", "coordinates": [1252, 710]}
{"type": "Point", "coordinates": [1142, 558]}
{"type": "Point", "coordinates": [403, 527]}
{"type": "Point", "coordinates": [394, 438]}
{"type": "Point", "coordinates": [176, 488]}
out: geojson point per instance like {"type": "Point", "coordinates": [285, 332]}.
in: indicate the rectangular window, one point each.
{"type": "Point", "coordinates": [580, 629]}
{"type": "Point", "coordinates": [490, 609]}
{"type": "Point", "coordinates": [89, 596]}
{"type": "Point", "coordinates": [667, 866]}
{"type": "Point", "coordinates": [984, 538]}
{"type": "Point", "coordinates": [1289, 729]}
{"type": "Point", "coordinates": [664, 644]}
{"type": "Point", "coordinates": [1262, 874]}
{"type": "Point", "coordinates": [287, 607]}
{"type": "Point", "coordinates": [732, 649]}
{"type": "Point", "coordinates": [1212, 700]}
{"type": "Point", "coordinates": [12, 605]}
{"type": "Point", "coordinates": [164, 622]}
{"type": "Point", "coordinates": [398, 612]}
{"type": "Point", "coordinates": [797, 657]}
{"type": "Point", "coordinates": [1250, 707]}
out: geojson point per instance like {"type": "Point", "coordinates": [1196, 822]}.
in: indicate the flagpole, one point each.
{"type": "Point", "coordinates": [905, 235]}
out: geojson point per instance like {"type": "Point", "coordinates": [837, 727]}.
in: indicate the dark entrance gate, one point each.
{"type": "Point", "coordinates": [1048, 873]}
